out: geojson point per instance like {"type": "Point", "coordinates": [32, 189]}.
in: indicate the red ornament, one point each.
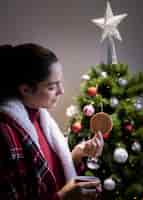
{"type": "Point", "coordinates": [106, 136]}
{"type": "Point", "coordinates": [129, 127]}
{"type": "Point", "coordinates": [92, 91]}
{"type": "Point", "coordinates": [76, 127]}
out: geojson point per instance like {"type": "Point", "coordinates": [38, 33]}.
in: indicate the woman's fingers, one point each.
{"type": "Point", "coordinates": [87, 148]}
{"type": "Point", "coordinates": [78, 189]}
{"type": "Point", "coordinates": [100, 136]}
{"type": "Point", "coordinates": [92, 147]}
{"type": "Point", "coordinates": [98, 140]}
{"type": "Point", "coordinates": [98, 147]}
{"type": "Point", "coordinates": [89, 189]}
{"type": "Point", "coordinates": [89, 184]}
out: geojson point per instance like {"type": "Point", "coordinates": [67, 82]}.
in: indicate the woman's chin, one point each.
{"type": "Point", "coordinates": [52, 106]}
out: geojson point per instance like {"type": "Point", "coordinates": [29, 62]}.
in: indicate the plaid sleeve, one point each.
{"type": "Point", "coordinates": [16, 183]}
{"type": "Point", "coordinates": [8, 190]}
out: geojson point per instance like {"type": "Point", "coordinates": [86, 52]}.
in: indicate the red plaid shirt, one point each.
{"type": "Point", "coordinates": [24, 174]}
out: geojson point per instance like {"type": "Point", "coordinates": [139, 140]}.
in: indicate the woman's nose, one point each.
{"type": "Point", "coordinates": [60, 89]}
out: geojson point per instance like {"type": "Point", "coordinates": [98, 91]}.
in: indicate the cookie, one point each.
{"type": "Point", "coordinates": [101, 122]}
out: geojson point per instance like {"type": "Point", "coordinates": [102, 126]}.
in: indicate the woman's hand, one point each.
{"type": "Point", "coordinates": [79, 190]}
{"type": "Point", "coordinates": [92, 148]}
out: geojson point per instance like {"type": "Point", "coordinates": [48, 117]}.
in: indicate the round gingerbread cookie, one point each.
{"type": "Point", "coordinates": [101, 122]}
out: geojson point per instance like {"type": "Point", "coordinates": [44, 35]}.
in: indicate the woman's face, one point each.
{"type": "Point", "coordinates": [48, 91]}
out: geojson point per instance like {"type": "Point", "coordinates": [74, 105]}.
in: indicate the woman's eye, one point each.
{"type": "Point", "coordinates": [54, 86]}
{"type": "Point", "coordinates": [51, 88]}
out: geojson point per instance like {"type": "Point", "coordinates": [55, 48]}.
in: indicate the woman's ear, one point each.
{"type": "Point", "coordinates": [25, 90]}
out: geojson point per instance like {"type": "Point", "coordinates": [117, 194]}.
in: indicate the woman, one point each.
{"type": "Point", "coordinates": [35, 162]}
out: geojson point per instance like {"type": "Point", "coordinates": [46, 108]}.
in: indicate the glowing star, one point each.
{"type": "Point", "coordinates": [109, 23]}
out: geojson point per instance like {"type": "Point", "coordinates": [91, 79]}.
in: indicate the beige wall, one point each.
{"type": "Point", "coordinates": [65, 27]}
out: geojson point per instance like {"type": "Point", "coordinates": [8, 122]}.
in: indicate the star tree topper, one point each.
{"type": "Point", "coordinates": [109, 25]}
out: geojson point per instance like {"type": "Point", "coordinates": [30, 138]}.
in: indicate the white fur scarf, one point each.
{"type": "Point", "coordinates": [52, 132]}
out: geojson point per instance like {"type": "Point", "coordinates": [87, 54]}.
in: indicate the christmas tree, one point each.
{"type": "Point", "coordinates": [113, 89]}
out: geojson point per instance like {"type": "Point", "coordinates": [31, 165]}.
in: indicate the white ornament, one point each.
{"type": "Point", "coordinates": [120, 155]}
{"type": "Point", "coordinates": [138, 106]}
{"type": "Point", "coordinates": [136, 147]}
{"type": "Point", "coordinates": [72, 110]}
{"type": "Point", "coordinates": [114, 102]}
{"type": "Point", "coordinates": [104, 74]}
{"type": "Point", "coordinates": [109, 23]}
{"type": "Point", "coordinates": [109, 184]}
{"type": "Point", "coordinates": [122, 82]}
{"type": "Point", "coordinates": [88, 110]}
{"type": "Point", "coordinates": [85, 77]}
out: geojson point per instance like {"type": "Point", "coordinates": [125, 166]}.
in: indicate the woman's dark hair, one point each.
{"type": "Point", "coordinates": [23, 64]}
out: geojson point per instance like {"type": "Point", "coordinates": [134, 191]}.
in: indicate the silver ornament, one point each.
{"type": "Point", "coordinates": [114, 102]}
{"type": "Point", "coordinates": [138, 106]}
{"type": "Point", "coordinates": [120, 155]}
{"type": "Point", "coordinates": [136, 147]}
{"type": "Point", "coordinates": [92, 163]}
{"type": "Point", "coordinates": [140, 99]}
{"type": "Point", "coordinates": [109, 184]}
{"type": "Point", "coordinates": [122, 82]}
